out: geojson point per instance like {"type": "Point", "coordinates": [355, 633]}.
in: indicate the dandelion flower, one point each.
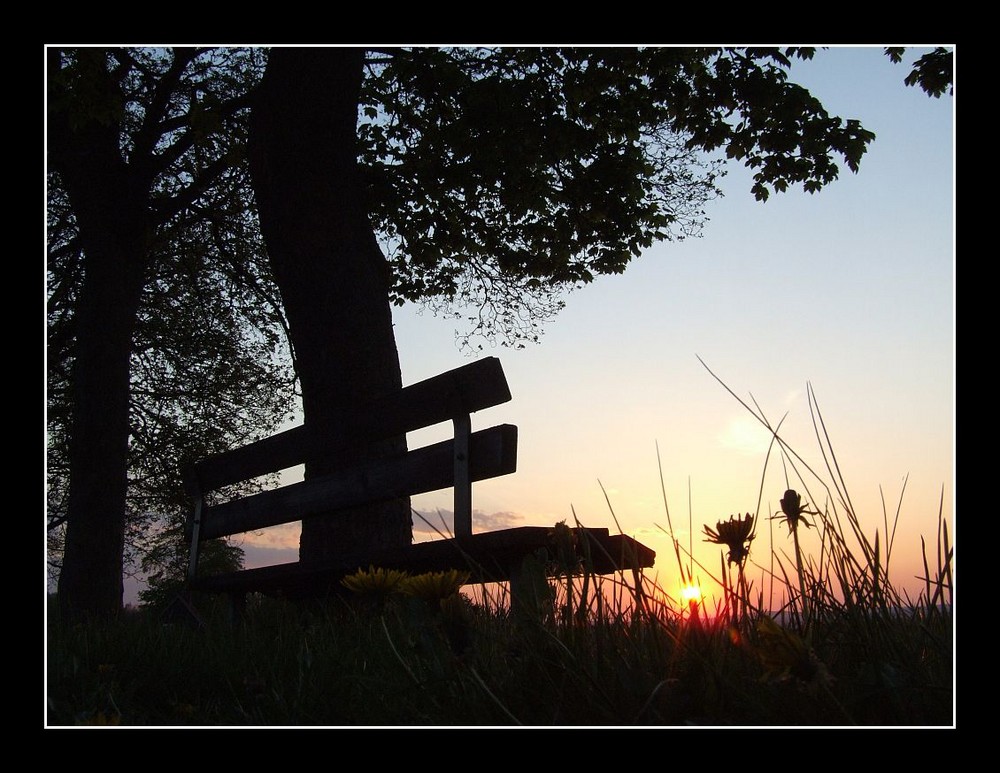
{"type": "Point", "coordinates": [375, 583]}
{"type": "Point", "coordinates": [736, 534]}
{"type": "Point", "coordinates": [435, 586]}
{"type": "Point", "coordinates": [792, 510]}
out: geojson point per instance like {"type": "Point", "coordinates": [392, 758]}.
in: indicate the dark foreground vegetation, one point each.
{"type": "Point", "coordinates": [396, 654]}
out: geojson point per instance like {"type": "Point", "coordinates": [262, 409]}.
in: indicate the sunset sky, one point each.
{"type": "Point", "coordinates": [850, 290]}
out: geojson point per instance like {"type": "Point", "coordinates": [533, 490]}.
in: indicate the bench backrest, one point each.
{"type": "Point", "coordinates": [468, 457]}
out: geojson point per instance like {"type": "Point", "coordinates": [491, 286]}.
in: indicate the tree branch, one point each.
{"type": "Point", "coordinates": [167, 208]}
{"type": "Point", "coordinates": [225, 110]}
{"type": "Point", "coordinates": [150, 131]}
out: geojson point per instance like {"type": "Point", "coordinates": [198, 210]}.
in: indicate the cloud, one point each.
{"type": "Point", "coordinates": [281, 537]}
{"type": "Point", "coordinates": [276, 545]}
{"type": "Point", "coordinates": [269, 546]}
{"type": "Point", "coordinates": [746, 435]}
{"type": "Point", "coordinates": [256, 555]}
{"type": "Point", "coordinates": [793, 398]}
{"type": "Point", "coordinates": [493, 521]}
{"type": "Point", "coordinates": [443, 521]}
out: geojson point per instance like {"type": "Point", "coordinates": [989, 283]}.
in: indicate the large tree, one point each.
{"type": "Point", "coordinates": [209, 367]}
{"type": "Point", "coordinates": [496, 176]}
{"type": "Point", "coordinates": [149, 271]}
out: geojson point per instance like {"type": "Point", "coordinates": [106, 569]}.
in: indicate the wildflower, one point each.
{"type": "Point", "coordinates": [435, 586]}
{"type": "Point", "coordinates": [793, 510]}
{"type": "Point", "coordinates": [785, 655]}
{"type": "Point", "coordinates": [736, 534]}
{"type": "Point", "coordinates": [376, 584]}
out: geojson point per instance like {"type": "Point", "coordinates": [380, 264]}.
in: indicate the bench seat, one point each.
{"type": "Point", "coordinates": [493, 556]}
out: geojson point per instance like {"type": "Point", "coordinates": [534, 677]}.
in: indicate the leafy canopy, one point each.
{"type": "Point", "coordinates": [501, 176]}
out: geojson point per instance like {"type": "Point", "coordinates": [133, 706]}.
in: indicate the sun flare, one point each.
{"type": "Point", "coordinates": [691, 593]}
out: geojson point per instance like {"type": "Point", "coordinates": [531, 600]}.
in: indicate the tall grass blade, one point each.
{"type": "Point", "coordinates": [492, 697]}
{"type": "Point", "coordinates": [663, 489]}
{"type": "Point", "coordinates": [927, 576]}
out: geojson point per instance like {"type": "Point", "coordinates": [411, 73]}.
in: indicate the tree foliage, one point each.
{"type": "Point", "coordinates": [934, 71]}
{"type": "Point", "coordinates": [500, 177]}
{"type": "Point", "coordinates": [209, 361]}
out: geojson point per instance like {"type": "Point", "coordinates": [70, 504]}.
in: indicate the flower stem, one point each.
{"type": "Point", "coordinates": [802, 583]}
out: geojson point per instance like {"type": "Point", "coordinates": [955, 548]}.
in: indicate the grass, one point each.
{"type": "Point", "coordinates": [831, 643]}
{"type": "Point", "coordinates": [609, 654]}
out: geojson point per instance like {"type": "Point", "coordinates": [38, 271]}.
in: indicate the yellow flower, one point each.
{"type": "Point", "coordinates": [435, 586]}
{"type": "Point", "coordinates": [736, 534]}
{"type": "Point", "coordinates": [375, 583]}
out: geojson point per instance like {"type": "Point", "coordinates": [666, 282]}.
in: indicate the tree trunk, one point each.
{"type": "Point", "coordinates": [108, 203]}
{"type": "Point", "coordinates": [90, 581]}
{"type": "Point", "coordinates": [333, 277]}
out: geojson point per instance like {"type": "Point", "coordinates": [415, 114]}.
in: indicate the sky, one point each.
{"type": "Point", "coordinates": [850, 290]}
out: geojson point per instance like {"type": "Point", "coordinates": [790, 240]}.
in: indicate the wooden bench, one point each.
{"type": "Point", "coordinates": [469, 456]}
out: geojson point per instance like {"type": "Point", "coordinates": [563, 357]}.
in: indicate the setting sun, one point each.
{"type": "Point", "coordinates": [691, 593]}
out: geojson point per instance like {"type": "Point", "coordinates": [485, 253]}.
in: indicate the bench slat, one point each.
{"type": "Point", "coordinates": [479, 385]}
{"type": "Point", "coordinates": [489, 556]}
{"type": "Point", "coordinates": [493, 452]}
